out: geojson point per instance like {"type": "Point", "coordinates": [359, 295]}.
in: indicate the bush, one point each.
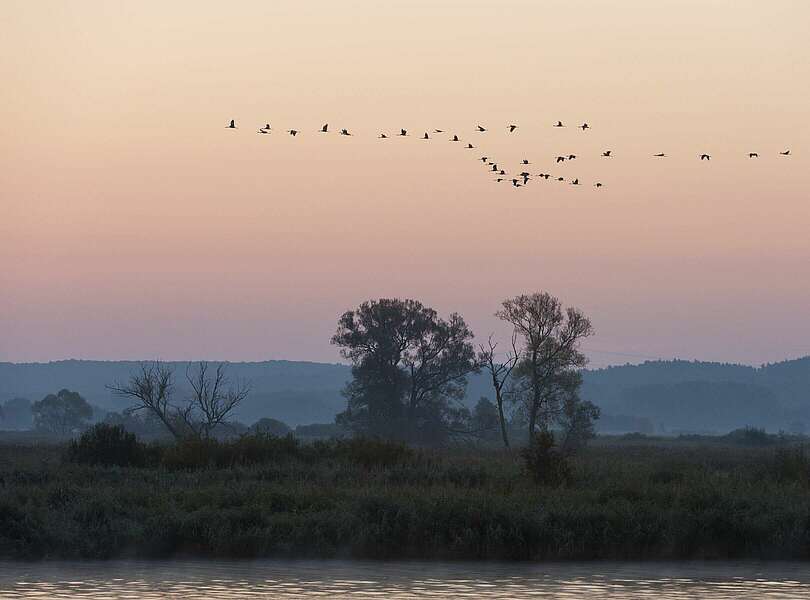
{"type": "Point", "coordinates": [545, 463]}
{"type": "Point", "coordinates": [108, 445]}
{"type": "Point", "coordinates": [791, 464]}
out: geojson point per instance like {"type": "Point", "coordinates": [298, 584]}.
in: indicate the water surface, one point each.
{"type": "Point", "coordinates": [397, 580]}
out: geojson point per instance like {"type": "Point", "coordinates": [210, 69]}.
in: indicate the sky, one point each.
{"type": "Point", "coordinates": [134, 225]}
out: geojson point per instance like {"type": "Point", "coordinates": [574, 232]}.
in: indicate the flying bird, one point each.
{"type": "Point", "coordinates": [494, 167]}
{"type": "Point", "coordinates": [559, 124]}
{"type": "Point", "coordinates": [526, 161]}
{"type": "Point", "coordinates": [383, 136]}
{"type": "Point", "coordinates": [470, 146]}
{"type": "Point", "coordinates": [753, 155]}
{"type": "Point", "coordinates": [232, 125]}
{"type": "Point", "coordinates": [607, 153]}
{"type": "Point", "coordinates": [560, 159]}
{"type": "Point", "coordinates": [438, 131]}
{"type": "Point", "coordinates": [705, 157]}
{"type": "Point", "coordinates": [501, 172]}
{"type": "Point", "coordinates": [263, 130]}
{"type": "Point", "coordinates": [597, 184]}
{"type": "Point", "coordinates": [785, 153]}
{"type": "Point", "coordinates": [426, 136]}
{"type": "Point", "coordinates": [293, 132]}
{"type": "Point", "coordinates": [403, 132]}
{"type": "Point", "coordinates": [584, 126]}
{"type": "Point", "coordinates": [344, 132]}
{"type": "Point", "coordinates": [325, 128]}
{"type": "Point", "coordinates": [575, 182]}
{"type": "Point", "coordinates": [481, 129]}
{"type": "Point", "coordinates": [484, 158]}
{"type": "Point", "coordinates": [512, 128]}
{"type": "Point", "coordinates": [572, 156]}
{"type": "Point", "coordinates": [560, 178]}
{"type": "Point", "coordinates": [660, 155]}
{"type": "Point", "coordinates": [455, 139]}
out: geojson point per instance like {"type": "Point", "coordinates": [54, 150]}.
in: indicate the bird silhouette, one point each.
{"type": "Point", "coordinates": [501, 172]}
{"type": "Point", "coordinates": [499, 179]}
{"type": "Point", "coordinates": [512, 128]}
{"type": "Point", "coordinates": [344, 132]}
{"type": "Point", "coordinates": [481, 129]}
{"type": "Point", "coordinates": [785, 153]}
{"type": "Point", "coordinates": [584, 126]}
{"type": "Point", "coordinates": [705, 157]}
{"type": "Point", "coordinates": [231, 125]}
{"type": "Point", "coordinates": [559, 124]}
{"type": "Point", "coordinates": [515, 182]}
{"type": "Point", "coordinates": [660, 155]}
{"type": "Point", "coordinates": [438, 131]}
{"type": "Point", "coordinates": [403, 132]}
{"type": "Point", "coordinates": [455, 139]}
{"type": "Point", "coordinates": [572, 156]}
{"type": "Point", "coordinates": [575, 182]}
{"type": "Point", "coordinates": [426, 136]}
{"type": "Point", "coordinates": [484, 158]}
{"type": "Point", "coordinates": [597, 184]}
{"type": "Point", "coordinates": [560, 159]}
{"type": "Point", "coordinates": [753, 155]}
{"type": "Point", "coordinates": [526, 161]}
{"type": "Point", "coordinates": [383, 136]}
{"type": "Point", "coordinates": [325, 128]}
{"type": "Point", "coordinates": [494, 167]}
{"type": "Point", "coordinates": [263, 130]}
{"type": "Point", "coordinates": [607, 153]}
{"type": "Point", "coordinates": [470, 146]}
{"type": "Point", "coordinates": [293, 132]}
{"type": "Point", "coordinates": [560, 178]}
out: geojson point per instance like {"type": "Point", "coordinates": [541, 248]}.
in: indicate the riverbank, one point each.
{"type": "Point", "coordinates": [634, 500]}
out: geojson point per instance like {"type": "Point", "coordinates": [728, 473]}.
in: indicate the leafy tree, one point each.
{"type": "Point", "coordinates": [577, 423]}
{"type": "Point", "coordinates": [61, 413]}
{"type": "Point", "coordinates": [485, 420]}
{"type": "Point", "coordinates": [274, 427]}
{"type": "Point", "coordinates": [408, 367]}
{"type": "Point", "coordinates": [550, 359]}
{"type": "Point", "coordinates": [16, 414]}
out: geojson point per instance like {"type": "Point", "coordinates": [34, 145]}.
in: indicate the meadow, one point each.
{"type": "Point", "coordinates": [623, 498]}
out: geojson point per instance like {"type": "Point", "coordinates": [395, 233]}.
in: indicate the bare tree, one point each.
{"type": "Point", "coordinates": [211, 401]}
{"type": "Point", "coordinates": [499, 372]}
{"type": "Point", "coordinates": [551, 350]}
{"type": "Point", "coordinates": [151, 389]}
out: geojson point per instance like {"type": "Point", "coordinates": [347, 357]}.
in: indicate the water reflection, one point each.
{"type": "Point", "coordinates": [338, 579]}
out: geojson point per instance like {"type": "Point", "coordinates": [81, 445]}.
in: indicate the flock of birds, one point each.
{"type": "Point", "coordinates": [518, 180]}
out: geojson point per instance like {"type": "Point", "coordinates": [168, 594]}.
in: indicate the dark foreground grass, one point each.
{"type": "Point", "coordinates": [623, 502]}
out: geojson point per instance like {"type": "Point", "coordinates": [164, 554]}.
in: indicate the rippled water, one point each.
{"type": "Point", "coordinates": [396, 580]}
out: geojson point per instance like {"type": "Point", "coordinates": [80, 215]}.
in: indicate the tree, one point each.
{"type": "Point", "coordinates": [499, 372]}
{"type": "Point", "coordinates": [211, 401]}
{"type": "Point", "coordinates": [577, 423]}
{"type": "Point", "coordinates": [550, 356]}
{"type": "Point", "coordinates": [408, 366]}
{"type": "Point", "coordinates": [16, 414]}
{"type": "Point", "coordinates": [274, 427]}
{"type": "Point", "coordinates": [62, 413]}
{"type": "Point", "coordinates": [485, 419]}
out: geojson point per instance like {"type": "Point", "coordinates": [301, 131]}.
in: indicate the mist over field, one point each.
{"type": "Point", "coordinates": [662, 397]}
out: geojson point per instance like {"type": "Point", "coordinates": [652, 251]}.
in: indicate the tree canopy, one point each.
{"type": "Point", "coordinates": [409, 368]}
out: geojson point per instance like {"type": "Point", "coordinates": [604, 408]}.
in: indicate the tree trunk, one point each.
{"type": "Point", "coordinates": [535, 398]}
{"type": "Point", "coordinates": [499, 399]}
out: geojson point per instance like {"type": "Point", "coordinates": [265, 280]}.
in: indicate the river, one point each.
{"type": "Point", "coordinates": [232, 580]}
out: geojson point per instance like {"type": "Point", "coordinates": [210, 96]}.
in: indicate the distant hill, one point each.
{"type": "Point", "coordinates": [668, 396]}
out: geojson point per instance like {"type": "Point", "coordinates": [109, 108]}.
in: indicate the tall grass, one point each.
{"type": "Point", "coordinates": [262, 496]}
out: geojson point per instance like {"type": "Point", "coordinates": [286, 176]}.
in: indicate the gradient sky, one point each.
{"type": "Point", "coordinates": [134, 225]}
